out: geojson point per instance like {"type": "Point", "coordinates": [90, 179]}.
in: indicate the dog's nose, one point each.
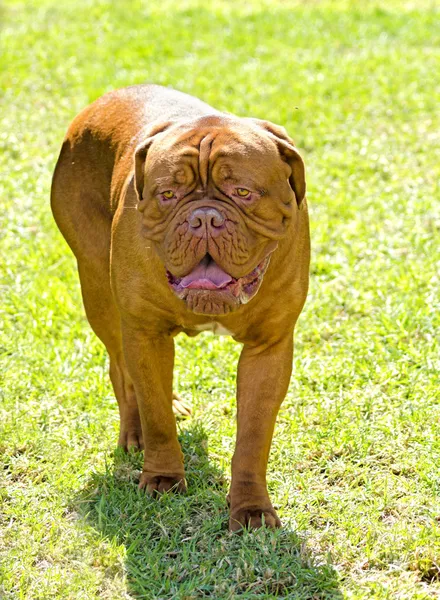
{"type": "Point", "coordinates": [205, 220]}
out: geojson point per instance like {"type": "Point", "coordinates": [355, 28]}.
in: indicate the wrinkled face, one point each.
{"type": "Point", "coordinates": [216, 196]}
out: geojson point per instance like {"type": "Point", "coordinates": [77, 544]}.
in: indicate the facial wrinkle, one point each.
{"type": "Point", "coordinates": [205, 151]}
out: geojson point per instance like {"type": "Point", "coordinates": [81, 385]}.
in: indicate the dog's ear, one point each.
{"type": "Point", "coordinates": [290, 154]}
{"type": "Point", "coordinates": [141, 154]}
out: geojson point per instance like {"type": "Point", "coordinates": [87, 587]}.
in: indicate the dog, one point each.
{"type": "Point", "coordinates": [183, 218]}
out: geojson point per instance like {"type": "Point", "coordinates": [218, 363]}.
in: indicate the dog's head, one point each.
{"type": "Point", "coordinates": [217, 194]}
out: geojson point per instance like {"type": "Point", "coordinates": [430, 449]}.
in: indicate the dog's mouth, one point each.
{"type": "Point", "coordinates": [208, 276]}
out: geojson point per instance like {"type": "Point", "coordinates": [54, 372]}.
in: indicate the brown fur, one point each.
{"type": "Point", "coordinates": [118, 156]}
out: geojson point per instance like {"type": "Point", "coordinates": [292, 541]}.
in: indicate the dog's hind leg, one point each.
{"type": "Point", "coordinates": [80, 205]}
{"type": "Point", "coordinates": [103, 316]}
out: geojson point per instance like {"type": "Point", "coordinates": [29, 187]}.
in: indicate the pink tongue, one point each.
{"type": "Point", "coordinates": [207, 275]}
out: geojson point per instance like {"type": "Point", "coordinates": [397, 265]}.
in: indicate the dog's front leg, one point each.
{"type": "Point", "coordinates": [263, 378]}
{"type": "Point", "coordinates": [150, 361]}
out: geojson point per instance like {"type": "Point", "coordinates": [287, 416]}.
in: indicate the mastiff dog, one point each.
{"type": "Point", "coordinates": [183, 218]}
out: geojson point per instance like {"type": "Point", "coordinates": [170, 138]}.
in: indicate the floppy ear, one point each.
{"type": "Point", "coordinates": [140, 155]}
{"type": "Point", "coordinates": [290, 155]}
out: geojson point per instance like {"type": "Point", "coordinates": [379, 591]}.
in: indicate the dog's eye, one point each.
{"type": "Point", "coordinates": [242, 192]}
{"type": "Point", "coordinates": [168, 195]}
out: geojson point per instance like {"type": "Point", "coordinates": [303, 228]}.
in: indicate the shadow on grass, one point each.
{"type": "Point", "coordinates": [179, 547]}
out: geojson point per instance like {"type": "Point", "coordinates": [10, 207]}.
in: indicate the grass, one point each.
{"type": "Point", "coordinates": [354, 468]}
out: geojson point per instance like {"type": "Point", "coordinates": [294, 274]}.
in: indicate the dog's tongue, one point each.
{"type": "Point", "coordinates": [206, 276]}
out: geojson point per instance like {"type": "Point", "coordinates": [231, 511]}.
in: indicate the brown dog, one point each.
{"type": "Point", "coordinates": [183, 218]}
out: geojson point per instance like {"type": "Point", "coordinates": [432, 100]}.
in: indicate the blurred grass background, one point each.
{"type": "Point", "coordinates": [354, 469]}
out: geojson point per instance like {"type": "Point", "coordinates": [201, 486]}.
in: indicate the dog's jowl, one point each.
{"type": "Point", "coordinates": [184, 219]}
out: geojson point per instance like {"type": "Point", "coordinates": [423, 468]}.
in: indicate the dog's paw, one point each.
{"type": "Point", "coordinates": [181, 409]}
{"type": "Point", "coordinates": [131, 437]}
{"type": "Point", "coordinates": [158, 484]}
{"type": "Point", "coordinates": [253, 518]}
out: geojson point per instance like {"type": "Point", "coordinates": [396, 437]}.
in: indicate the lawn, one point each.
{"type": "Point", "coordinates": [355, 464]}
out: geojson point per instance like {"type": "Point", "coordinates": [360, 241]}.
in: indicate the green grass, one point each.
{"type": "Point", "coordinates": [355, 464]}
